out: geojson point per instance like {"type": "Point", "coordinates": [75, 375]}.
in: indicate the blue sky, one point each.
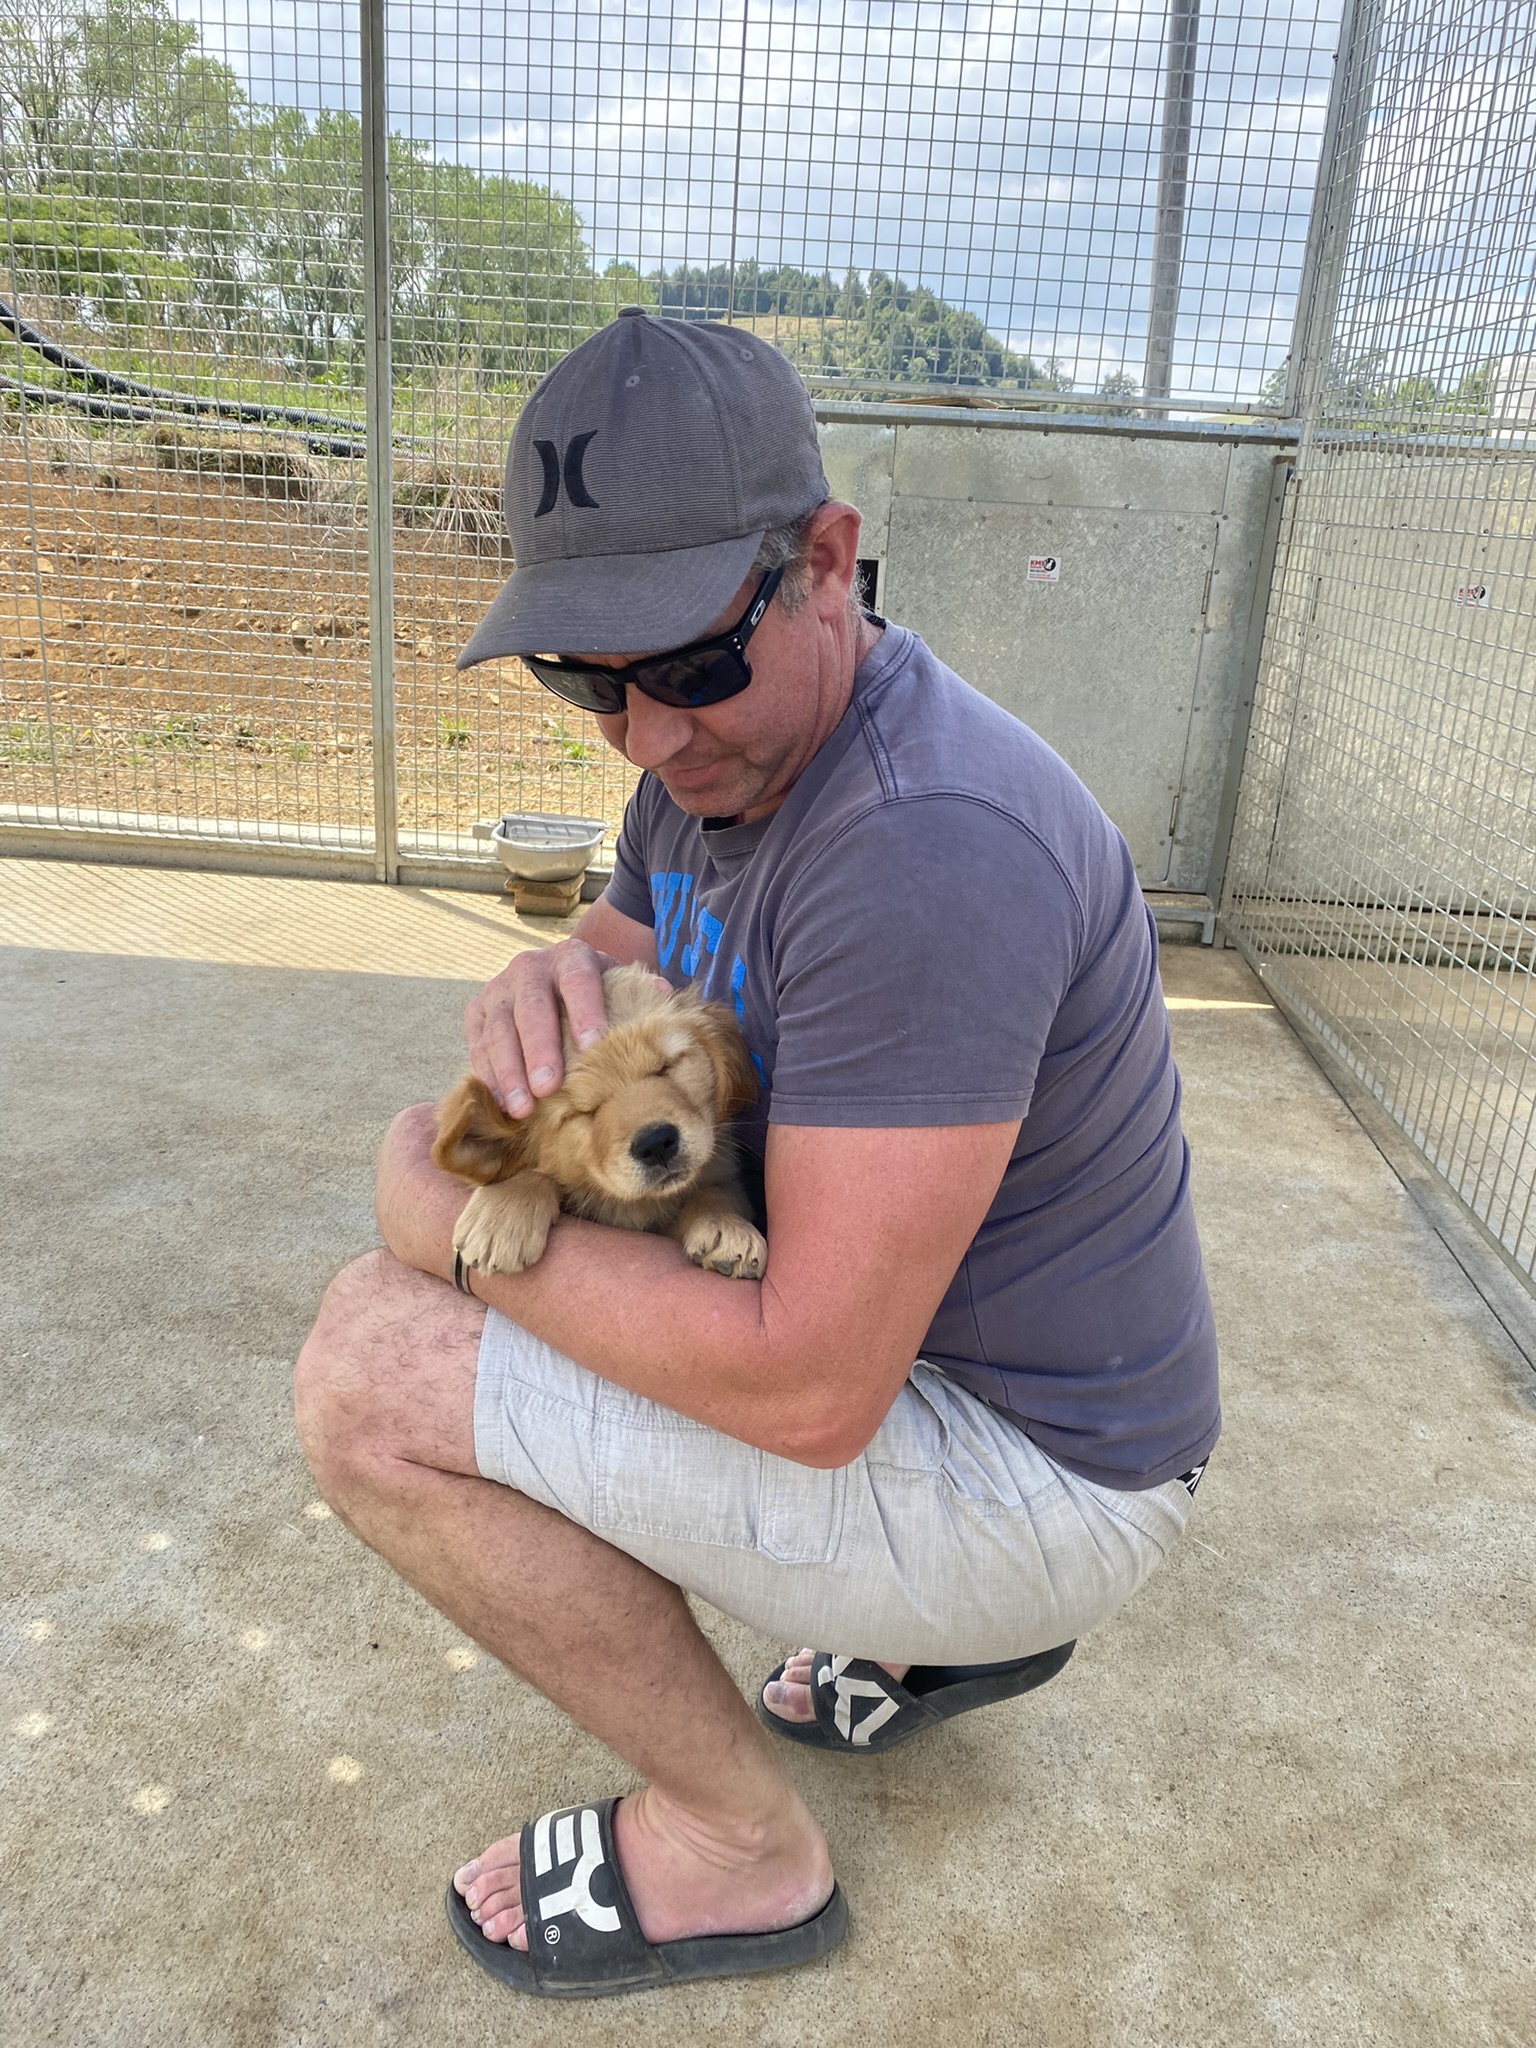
{"type": "Point", "coordinates": [1003, 155]}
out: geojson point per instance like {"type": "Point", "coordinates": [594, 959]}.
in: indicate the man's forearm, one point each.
{"type": "Point", "coordinates": [633, 1309]}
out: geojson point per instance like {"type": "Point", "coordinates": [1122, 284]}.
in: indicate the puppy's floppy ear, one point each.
{"type": "Point", "coordinates": [476, 1139]}
{"type": "Point", "coordinates": [735, 1082]}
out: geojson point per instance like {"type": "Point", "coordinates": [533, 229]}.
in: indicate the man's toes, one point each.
{"type": "Point", "coordinates": [501, 1856]}
{"type": "Point", "coordinates": [497, 1911]}
{"type": "Point", "coordinates": [494, 1895]}
{"type": "Point", "coordinates": [506, 1925]}
{"type": "Point", "coordinates": [489, 1887]}
{"type": "Point", "coordinates": [789, 1702]}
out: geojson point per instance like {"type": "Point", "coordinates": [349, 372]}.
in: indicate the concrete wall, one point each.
{"type": "Point", "coordinates": [1133, 660]}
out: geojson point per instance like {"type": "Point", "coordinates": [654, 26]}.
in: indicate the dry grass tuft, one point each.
{"type": "Point", "coordinates": [268, 468]}
{"type": "Point", "coordinates": [462, 502]}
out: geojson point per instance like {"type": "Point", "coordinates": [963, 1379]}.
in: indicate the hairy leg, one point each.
{"type": "Point", "coordinates": [719, 1841]}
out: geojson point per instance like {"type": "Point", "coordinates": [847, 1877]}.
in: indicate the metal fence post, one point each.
{"type": "Point", "coordinates": [378, 410]}
{"type": "Point", "coordinates": [1172, 193]}
{"type": "Point", "coordinates": [1333, 205]}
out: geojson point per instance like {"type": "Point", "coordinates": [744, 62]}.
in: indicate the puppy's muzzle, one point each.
{"type": "Point", "coordinates": [655, 1150]}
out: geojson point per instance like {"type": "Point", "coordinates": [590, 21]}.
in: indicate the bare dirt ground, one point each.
{"type": "Point", "coordinates": [184, 645]}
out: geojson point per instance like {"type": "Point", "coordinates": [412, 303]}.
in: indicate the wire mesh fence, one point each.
{"type": "Point", "coordinates": [183, 635]}
{"type": "Point", "coordinates": [1080, 208]}
{"type": "Point", "coordinates": [1383, 869]}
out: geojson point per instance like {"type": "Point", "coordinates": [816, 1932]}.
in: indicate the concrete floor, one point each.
{"type": "Point", "coordinates": [1454, 1048]}
{"type": "Point", "coordinates": [1284, 1797]}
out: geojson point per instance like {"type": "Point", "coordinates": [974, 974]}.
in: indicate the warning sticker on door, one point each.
{"type": "Point", "coordinates": [1044, 569]}
{"type": "Point", "coordinates": [1472, 593]}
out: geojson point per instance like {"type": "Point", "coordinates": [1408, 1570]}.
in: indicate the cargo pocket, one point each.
{"type": "Point", "coordinates": [659, 1474]}
{"type": "Point", "coordinates": [915, 1435]}
{"type": "Point", "coordinates": [800, 1512]}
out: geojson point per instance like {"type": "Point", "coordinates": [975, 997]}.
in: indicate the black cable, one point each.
{"type": "Point", "coordinates": [169, 401]}
{"type": "Point", "coordinates": [120, 409]}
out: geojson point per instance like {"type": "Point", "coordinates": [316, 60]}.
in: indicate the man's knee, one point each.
{"type": "Point", "coordinates": [385, 1375]}
{"type": "Point", "coordinates": [339, 1364]}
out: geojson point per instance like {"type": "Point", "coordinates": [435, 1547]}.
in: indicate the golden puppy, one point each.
{"type": "Point", "coordinates": [633, 1136]}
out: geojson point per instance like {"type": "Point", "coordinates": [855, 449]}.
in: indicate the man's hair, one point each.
{"type": "Point", "coordinates": [783, 547]}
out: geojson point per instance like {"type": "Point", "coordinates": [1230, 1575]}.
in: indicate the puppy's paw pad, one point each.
{"type": "Point", "coordinates": [728, 1245]}
{"type": "Point", "coordinates": [500, 1234]}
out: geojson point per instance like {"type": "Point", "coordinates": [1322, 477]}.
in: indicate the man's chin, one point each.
{"type": "Point", "coordinates": [701, 796]}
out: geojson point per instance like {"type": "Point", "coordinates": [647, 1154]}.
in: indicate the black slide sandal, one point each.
{"type": "Point", "coordinates": [584, 1940]}
{"type": "Point", "coordinates": [861, 1710]}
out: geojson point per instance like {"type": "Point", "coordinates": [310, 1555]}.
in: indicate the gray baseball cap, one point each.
{"type": "Point", "coordinates": [643, 473]}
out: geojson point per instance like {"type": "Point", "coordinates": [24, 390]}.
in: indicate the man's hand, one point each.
{"type": "Point", "coordinates": [513, 1026]}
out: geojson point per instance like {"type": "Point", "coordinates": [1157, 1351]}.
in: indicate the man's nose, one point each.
{"type": "Point", "coordinates": [654, 732]}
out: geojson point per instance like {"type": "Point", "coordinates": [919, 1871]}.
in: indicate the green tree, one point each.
{"type": "Point", "coordinates": [907, 334]}
{"type": "Point", "coordinates": [73, 251]}
{"type": "Point", "coordinates": [1272, 391]}
{"type": "Point", "coordinates": [1474, 392]}
{"type": "Point", "coordinates": [141, 186]}
{"type": "Point", "coordinates": [111, 101]}
{"type": "Point", "coordinates": [136, 175]}
{"type": "Point", "coordinates": [303, 230]}
{"type": "Point", "coordinates": [40, 63]}
{"type": "Point", "coordinates": [1414, 394]}
{"type": "Point", "coordinates": [851, 297]}
{"type": "Point", "coordinates": [499, 272]}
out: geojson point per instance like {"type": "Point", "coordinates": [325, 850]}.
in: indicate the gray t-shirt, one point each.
{"type": "Point", "coordinates": [940, 926]}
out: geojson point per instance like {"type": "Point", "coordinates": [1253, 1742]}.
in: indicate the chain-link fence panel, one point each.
{"type": "Point", "coordinates": [1383, 871]}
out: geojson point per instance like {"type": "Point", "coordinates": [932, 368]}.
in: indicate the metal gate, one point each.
{"type": "Point", "coordinates": [1383, 868]}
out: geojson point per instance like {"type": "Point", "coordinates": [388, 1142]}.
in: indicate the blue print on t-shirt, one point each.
{"type": "Point", "coordinates": [701, 949]}
{"type": "Point", "coordinates": [669, 895]}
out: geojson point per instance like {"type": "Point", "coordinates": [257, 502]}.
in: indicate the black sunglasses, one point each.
{"type": "Point", "coordinates": [687, 678]}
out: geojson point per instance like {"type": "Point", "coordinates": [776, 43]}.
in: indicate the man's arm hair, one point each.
{"type": "Point", "coordinates": [623, 939]}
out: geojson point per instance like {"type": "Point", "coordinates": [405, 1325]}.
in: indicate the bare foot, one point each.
{"type": "Point", "coordinates": [790, 1696]}
{"type": "Point", "coordinates": [685, 1877]}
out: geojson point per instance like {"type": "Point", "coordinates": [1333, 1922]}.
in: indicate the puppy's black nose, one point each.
{"type": "Point", "coordinates": [655, 1148]}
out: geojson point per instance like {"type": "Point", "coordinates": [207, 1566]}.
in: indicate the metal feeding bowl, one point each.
{"type": "Point", "coordinates": [541, 846]}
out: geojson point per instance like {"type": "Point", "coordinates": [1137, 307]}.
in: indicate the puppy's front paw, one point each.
{"type": "Point", "coordinates": [504, 1227]}
{"type": "Point", "coordinates": [727, 1244]}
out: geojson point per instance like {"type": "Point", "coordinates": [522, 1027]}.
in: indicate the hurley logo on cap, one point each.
{"type": "Point", "coordinates": [575, 484]}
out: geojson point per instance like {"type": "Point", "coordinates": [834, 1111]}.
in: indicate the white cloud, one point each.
{"type": "Point", "coordinates": [1003, 155]}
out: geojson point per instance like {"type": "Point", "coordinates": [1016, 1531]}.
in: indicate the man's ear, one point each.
{"type": "Point", "coordinates": [735, 1082]}
{"type": "Point", "coordinates": [476, 1139]}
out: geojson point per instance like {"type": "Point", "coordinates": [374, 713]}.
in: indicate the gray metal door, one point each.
{"type": "Point", "coordinates": [1096, 583]}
